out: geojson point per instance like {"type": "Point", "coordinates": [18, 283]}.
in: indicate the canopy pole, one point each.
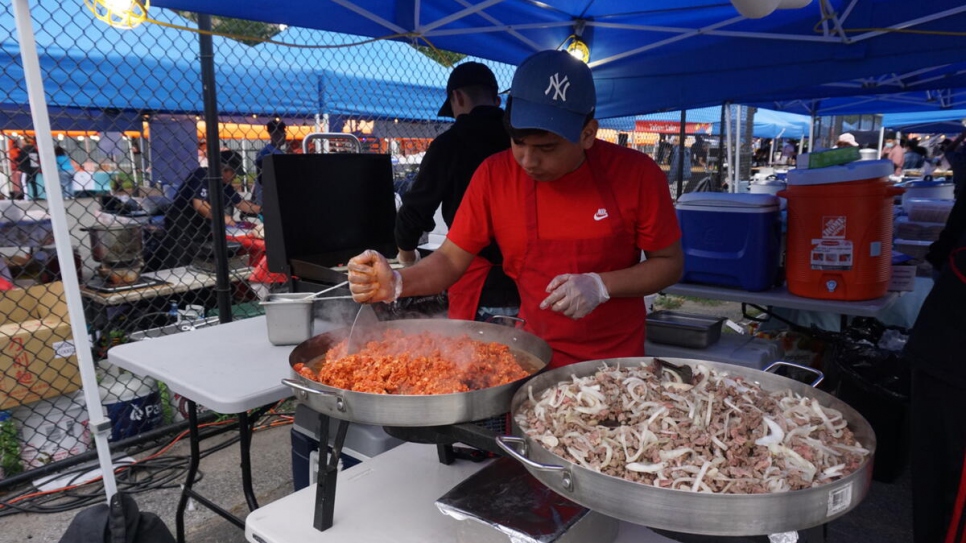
{"type": "Point", "coordinates": [721, 126]}
{"type": "Point", "coordinates": [726, 113]}
{"type": "Point", "coordinates": [215, 184]}
{"type": "Point", "coordinates": [680, 157]}
{"type": "Point", "coordinates": [737, 145]}
{"type": "Point", "coordinates": [811, 133]}
{"type": "Point", "coordinates": [100, 425]}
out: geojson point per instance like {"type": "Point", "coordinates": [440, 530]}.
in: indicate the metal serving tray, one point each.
{"type": "Point", "coordinates": [684, 329]}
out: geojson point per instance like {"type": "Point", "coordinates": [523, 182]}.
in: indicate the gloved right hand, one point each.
{"type": "Point", "coordinates": [372, 280]}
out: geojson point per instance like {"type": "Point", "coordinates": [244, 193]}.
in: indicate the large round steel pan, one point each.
{"type": "Point", "coordinates": [692, 512]}
{"type": "Point", "coordinates": [417, 410]}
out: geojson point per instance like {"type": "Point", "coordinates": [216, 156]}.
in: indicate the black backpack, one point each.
{"type": "Point", "coordinates": [122, 522]}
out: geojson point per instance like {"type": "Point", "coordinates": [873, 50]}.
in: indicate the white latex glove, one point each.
{"type": "Point", "coordinates": [407, 258]}
{"type": "Point", "coordinates": [372, 280]}
{"type": "Point", "coordinates": [575, 295]}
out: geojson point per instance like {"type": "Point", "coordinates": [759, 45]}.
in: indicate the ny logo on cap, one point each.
{"type": "Point", "coordinates": [559, 87]}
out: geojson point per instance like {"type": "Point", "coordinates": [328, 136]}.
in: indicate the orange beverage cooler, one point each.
{"type": "Point", "coordinates": [839, 244]}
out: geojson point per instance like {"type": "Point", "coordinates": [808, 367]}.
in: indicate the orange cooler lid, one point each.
{"type": "Point", "coordinates": [860, 170]}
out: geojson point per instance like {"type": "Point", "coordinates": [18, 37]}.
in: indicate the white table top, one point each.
{"type": "Point", "coordinates": [229, 368]}
{"type": "Point", "coordinates": [391, 497]}
{"type": "Point", "coordinates": [780, 297]}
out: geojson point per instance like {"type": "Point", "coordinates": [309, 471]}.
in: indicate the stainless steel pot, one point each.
{"type": "Point", "coordinates": [118, 243]}
{"type": "Point", "coordinates": [692, 512]}
{"type": "Point", "coordinates": [416, 410]}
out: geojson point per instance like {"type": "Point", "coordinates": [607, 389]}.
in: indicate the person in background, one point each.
{"type": "Point", "coordinates": [202, 154]}
{"type": "Point", "coordinates": [446, 169]}
{"type": "Point", "coordinates": [845, 140]}
{"type": "Point", "coordinates": [789, 153]}
{"type": "Point", "coordinates": [29, 165]}
{"type": "Point", "coordinates": [893, 151]}
{"type": "Point", "coordinates": [955, 156]}
{"type": "Point", "coordinates": [275, 146]}
{"type": "Point", "coordinates": [914, 156]}
{"type": "Point", "coordinates": [16, 176]}
{"type": "Point", "coordinates": [572, 215]}
{"type": "Point", "coordinates": [699, 150]}
{"type": "Point", "coordinates": [189, 217]}
{"type": "Point", "coordinates": [65, 171]}
{"type": "Point", "coordinates": [680, 162]}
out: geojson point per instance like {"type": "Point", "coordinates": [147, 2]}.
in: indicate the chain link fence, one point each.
{"type": "Point", "coordinates": [126, 110]}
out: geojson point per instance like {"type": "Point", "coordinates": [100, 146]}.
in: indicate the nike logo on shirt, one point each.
{"type": "Point", "coordinates": [600, 215]}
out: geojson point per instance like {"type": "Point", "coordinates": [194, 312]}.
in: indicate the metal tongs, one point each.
{"type": "Point", "coordinates": [683, 371]}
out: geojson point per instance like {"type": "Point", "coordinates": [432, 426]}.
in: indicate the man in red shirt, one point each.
{"type": "Point", "coordinates": [572, 215]}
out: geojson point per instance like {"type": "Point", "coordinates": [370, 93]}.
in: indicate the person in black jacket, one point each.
{"type": "Point", "coordinates": [936, 350]}
{"type": "Point", "coordinates": [472, 99]}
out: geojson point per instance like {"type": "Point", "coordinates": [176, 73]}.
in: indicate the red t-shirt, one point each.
{"type": "Point", "coordinates": [493, 207]}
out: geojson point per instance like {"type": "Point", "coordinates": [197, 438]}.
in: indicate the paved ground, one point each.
{"type": "Point", "coordinates": [271, 459]}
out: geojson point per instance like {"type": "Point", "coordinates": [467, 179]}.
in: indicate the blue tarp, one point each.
{"type": "Point", "coordinates": [767, 123]}
{"type": "Point", "coordinates": [927, 122]}
{"type": "Point", "coordinates": [89, 66]}
{"type": "Point", "coordinates": [651, 56]}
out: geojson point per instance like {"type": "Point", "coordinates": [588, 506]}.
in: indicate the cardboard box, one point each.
{"type": "Point", "coordinates": [37, 358]}
{"type": "Point", "coordinates": [903, 278]}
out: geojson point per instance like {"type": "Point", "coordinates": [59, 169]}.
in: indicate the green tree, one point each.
{"type": "Point", "coordinates": [446, 58]}
{"type": "Point", "coordinates": [240, 29]}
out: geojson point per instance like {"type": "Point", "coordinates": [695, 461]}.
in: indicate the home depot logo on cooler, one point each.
{"type": "Point", "coordinates": [833, 227]}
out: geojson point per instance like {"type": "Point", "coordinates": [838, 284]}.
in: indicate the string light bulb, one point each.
{"type": "Point", "coordinates": [123, 14]}
{"type": "Point", "coordinates": [578, 49]}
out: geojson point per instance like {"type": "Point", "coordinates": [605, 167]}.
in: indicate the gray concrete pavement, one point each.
{"type": "Point", "coordinates": [271, 466]}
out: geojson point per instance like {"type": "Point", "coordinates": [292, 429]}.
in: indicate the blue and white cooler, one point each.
{"type": "Point", "coordinates": [731, 240]}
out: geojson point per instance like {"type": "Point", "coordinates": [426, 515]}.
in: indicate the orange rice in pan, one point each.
{"type": "Point", "coordinates": [422, 363]}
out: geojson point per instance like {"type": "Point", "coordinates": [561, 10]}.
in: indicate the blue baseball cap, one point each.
{"type": "Point", "coordinates": [552, 91]}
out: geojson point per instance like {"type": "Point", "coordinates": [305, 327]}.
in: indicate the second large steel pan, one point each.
{"type": "Point", "coordinates": [694, 512]}
{"type": "Point", "coordinates": [417, 410]}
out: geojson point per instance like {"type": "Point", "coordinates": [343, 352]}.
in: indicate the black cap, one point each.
{"type": "Point", "coordinates": [231, 159]}
{"type": "Point", "coordinates": [468, 74]}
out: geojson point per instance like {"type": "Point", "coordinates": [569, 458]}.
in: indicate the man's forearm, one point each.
{"type": "Point", "coordinates": [661, 269]}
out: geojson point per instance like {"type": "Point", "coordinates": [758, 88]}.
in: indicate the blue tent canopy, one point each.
{"type": "Point", "coordinates": [648, 56]}
{"type": "Point", "coordinates": [929, 122]}
{"type": "Point", "coordinates": [767, 123]}
{"type": "Point", "coordinates": [155, 68]}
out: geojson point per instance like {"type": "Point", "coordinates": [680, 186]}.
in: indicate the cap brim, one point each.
{"type": "Point", "coordinates": [529, 115]}
{"type": "Point", "coordinates": [446, 110]}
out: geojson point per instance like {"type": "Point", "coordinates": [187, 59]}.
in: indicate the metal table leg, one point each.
{"type": "Point", "coordinates": [195, 456]}
{"type": "Point", "coordinates": [328, 472]}
{"type": "Point", "coordinates": [245, 428]}
{"type": "Point", "coordinates": [245, 433]}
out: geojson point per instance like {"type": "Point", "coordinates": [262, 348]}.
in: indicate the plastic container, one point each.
{"type": "Point", "coordinates": [133, 403]}
{"type": "Point", "coordinates": [903, 228]}
{"type": "Point", "coordinates": [738, 349]}
{"type": "Point", "coordinates": [839, 244]}
{"type": "Point", "coordinates": [684, 329]}
{"type": "Point", "coordinates": [917, 249]}
{"type": "Point", "coordinates": [289, 318]}
{"type": "Point", "coordinates": [730, 240]}
{"type": "Point", "coordinates": [926, 210]}
{"type": "Point", "coordinates": [927, 190]}
{"type": "Point", "coordinates": [52, 430]}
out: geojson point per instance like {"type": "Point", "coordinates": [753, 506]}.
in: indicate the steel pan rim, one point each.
{"type": "Point", "coordinates": [859, 480]}
{"type": "Point", "coordinates": [434, 409]}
